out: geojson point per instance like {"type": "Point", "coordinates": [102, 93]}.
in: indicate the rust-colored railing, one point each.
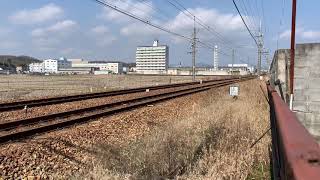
{"type": "Point", "coordinates": [295, 153]}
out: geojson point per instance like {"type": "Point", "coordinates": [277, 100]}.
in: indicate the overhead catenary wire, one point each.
{"type": "Point", "coordinates": [165, 15]}
{"type": "Point", "coordinates": [122, 11]}
{"type": "Point", "coordinates": [245, 24]}
{"type": "Point", "coordinates": [135, 6]}
{"type": "Point", "coordinates": [140, 19]}
{"type": "Point", "coordinates": [201, 43]}
{"type": "Point", "coordinates": [246, 11]}
{"type": "Point", "coordinates": [229, 46]}
{"type": "Point", "coordinates": [190, 15]}
{"type": "Point", "coordinates": [264, 17]}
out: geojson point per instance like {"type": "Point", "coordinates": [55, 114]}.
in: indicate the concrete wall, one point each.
{"type": "Point", "coordinates": [306, 102]}
{"type": "Point", "coordinates": [280, 70]}
{"type": "Point", "coordinates": [307, 86]}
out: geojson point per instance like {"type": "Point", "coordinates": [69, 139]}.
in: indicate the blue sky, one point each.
{"type": "Point", "coordinates": [84, 29]}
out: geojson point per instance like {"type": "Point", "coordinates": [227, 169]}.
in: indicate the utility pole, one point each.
{"type": "Point", "coordinates": [248, 62]}
{"type": "Point", "coordinates": [233, 52]}
{"type": "Point", "coordinates": [194, 40]}
{"type": "Point", "coordinates": [215, 58]}
{"type": "Point", "coordinates": [260, 49]}
{"type": "Point", "coordinates": [292, 50]}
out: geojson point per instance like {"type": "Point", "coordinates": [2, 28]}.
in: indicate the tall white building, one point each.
{"type": "Point", "coordinates": [152, 59]}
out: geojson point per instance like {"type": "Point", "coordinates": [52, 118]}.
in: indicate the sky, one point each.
{"type": "Point", "coordinates": [85, 29]}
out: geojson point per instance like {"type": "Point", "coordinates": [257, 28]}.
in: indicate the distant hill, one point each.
{"type": "Point", "coordinates": [14, 61]}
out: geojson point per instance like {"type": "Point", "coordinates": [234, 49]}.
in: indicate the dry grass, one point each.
{"type": "Point", "coordinates": [213, 143]}
{"type": "Point", "coordinates": [17, 87]}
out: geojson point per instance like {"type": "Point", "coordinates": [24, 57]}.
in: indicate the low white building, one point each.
{"type": "Point", "coordinates": [50, 66]}
{"type": "Point", "coordinates": [116, 68]}
{"type": "Point", "coordinates": [112, 67]}
{"type": "Point", "coordinates": [36, 67]}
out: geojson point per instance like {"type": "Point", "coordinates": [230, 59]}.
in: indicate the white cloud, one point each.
{"type": "Point", "coordinates": [139, 29]}
{"type": "Point", "coordinates": [228, 25]}
{"type": "Point", "coordinates": [60, 27]}
{"type": "Point", "coordinates": [310, 34]}
{"type": "Point", "coordinates": [285, 35]}
{"type": "Point", "coordinates": [210, 17]}
{"type": "Point", "coordinates": [9, 44]}
{"type": "Point", "coordinates": [102, 35]}
{"type": "Point", "coordinates": [100, 29]}
{"type": "Point", "coordinates": [67, 51]}
{"type": "Point", "coordinates": [4, 32]}
{"type": "Point", "coordinates": [140, 9]}
{"type": "Point", "coordinates": [301, 33]}
{"type": "Point", "coordinates": [34, 16]}
{"type": "Point", "coordinates": [53, 37]}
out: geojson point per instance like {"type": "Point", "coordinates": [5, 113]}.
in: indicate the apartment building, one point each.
{"type": "Point", "coordinates": [152, 59]}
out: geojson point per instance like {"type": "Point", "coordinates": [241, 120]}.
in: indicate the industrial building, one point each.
{"type": "Point", "coordinates": [111, 67]}
{"type": "Point", "coordinates": [36, 67]}
{"type": "Point", "coordinates": [75, 66]}
{"type": "Point", "coordinates": [152, 59]}
{"type": "Point", "coordinates": [239, 69]}
{"type": "Point", "coordinates": [50, 66]}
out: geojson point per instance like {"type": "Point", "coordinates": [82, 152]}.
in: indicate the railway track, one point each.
{"type": "Point", "coordinates": [57, 100]}
{"type": "Point", "coordinates": [24, 128]}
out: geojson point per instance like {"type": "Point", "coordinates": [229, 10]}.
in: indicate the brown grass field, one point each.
{"type": "Point", "coordinates": [212, 143]}
{"type": "Point", "coordinates": [201, 136]}
{"type": "Point", "coordinates": [18, 87]}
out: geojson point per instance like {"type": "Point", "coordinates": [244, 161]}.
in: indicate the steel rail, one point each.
{"type": "Point", "coordinates": [64, 119]}
{"type": "Point", "coordinates": [56, 100]}
{"type": "Point", "coordinates": [296, 153]}
{"type": "Point", "coordinates": [15, 123]}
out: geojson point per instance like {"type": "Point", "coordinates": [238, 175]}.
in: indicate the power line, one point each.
{"type": "Point", "coordinates": [149, 23]}
{"type": "Point", "coordinates": [224, 43]}
{"type": "Point", "coordinates": [251, 19]}
{"type": "Point", "coordinates": [245, 23]}
{"type": "Point", "coordinates": [122, 11]}
{"type": "Point", "coordinates": [198, 21]}
{"type": "Point", "coordinates": [142, 10]}
{"type": "Point", "coordinates": [140, 19]}
{"type": "Point", "coordinates": [264, 18]}
{"type": "Point", "coordinates": [154, 8]}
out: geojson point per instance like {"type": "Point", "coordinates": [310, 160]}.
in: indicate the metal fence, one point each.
{"type": "Point", "coordinates": [295, 153]}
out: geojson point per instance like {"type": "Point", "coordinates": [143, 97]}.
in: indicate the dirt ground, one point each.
{"type": "Point", "coordinates": [18, 87]}
{"type": "Point", "coordinates": [207, 135]}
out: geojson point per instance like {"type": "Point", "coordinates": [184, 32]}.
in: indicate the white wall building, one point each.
{"type": "Point", "coordinates": [152, 59]}
{"type": "Point", "coordinates": [36, 67]}
{"type": "Point", "coordinates": [50, 66]}
{"type": "Point", "coordinates": [114, 67]}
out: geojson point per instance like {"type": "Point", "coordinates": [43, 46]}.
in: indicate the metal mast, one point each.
{"type": "Point", "coordinates": [260, 49]}
{"type": "Point", "coordinates": [194, 40]}
{"type": "Point", "coordinates": [292, 50]}
{"type": "Point", "coordinates": [233, 54]}
{"type": "Point", "coordinates": [215, 58]}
